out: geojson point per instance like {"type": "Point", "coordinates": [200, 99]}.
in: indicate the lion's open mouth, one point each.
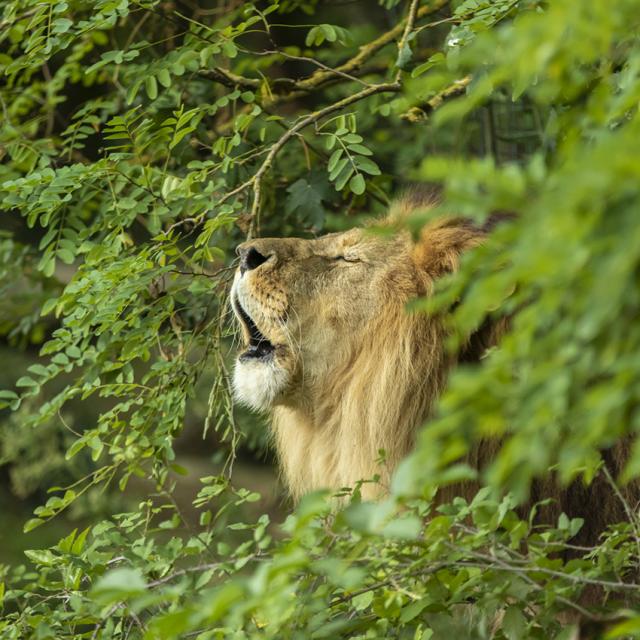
{"type": "Point", "coordinates": [259, 346]}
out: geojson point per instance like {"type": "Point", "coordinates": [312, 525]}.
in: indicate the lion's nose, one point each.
{"type": "Point", "coordinates": [250, 258]}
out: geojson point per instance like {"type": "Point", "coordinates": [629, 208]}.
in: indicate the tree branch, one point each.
{"type": "Point", "coordinates": [231, 80]}
{"type": "Point", "coordinates": [301, 87]}
{"type": "Point", "coordinates": [421, 112]}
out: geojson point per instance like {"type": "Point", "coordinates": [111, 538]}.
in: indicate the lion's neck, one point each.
{"type": "Point", "coordinates": [374, 403]}
{"type": "Point", "coordinates": [312, 455]}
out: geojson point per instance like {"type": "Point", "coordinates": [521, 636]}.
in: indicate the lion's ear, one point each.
{"type": "Point", "coordinates": [438, 252]}
{"type": "Point", "coordinates": [441, 243]}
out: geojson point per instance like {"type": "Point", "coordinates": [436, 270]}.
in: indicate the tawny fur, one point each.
{"type": "Point", "coordinates": [373, 401]}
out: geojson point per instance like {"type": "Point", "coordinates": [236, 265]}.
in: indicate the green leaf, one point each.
{"type": "Point", "coordinates": [357, 184]}
{"type": "Point", "coordinates": [61, 25]}
{"type": "Point", "coordinates": [26, 381]}
{"type": "Point", "coordinates": [311, 36]}
{"type": "Point", "coordinates": [333, 160]}
{"type": "Point", "coordinates": [49, 306]}
{"type": "Point", "coordinates": [343, 176]}
{"type": "Point", "coordinates": [304, 199]}
{"type": "Point", "coordinates": [74, 448]}
{"type": "Point", "coordinates": [329, 32]}
{"type": "Point", "coordinates": [630, 627]}
{"type": "Point", "coordinates": [164, 78]}
{"type": "Point", "coordinates": [32, 524]}
{"type": "Point", "coordinates": [229, 49]}
{"type": "Point", "coordinates": [61, 359]}
{"type": "Point", "coordinates": [362, 601]}
{"type": "Point", "coordinates": [514, 624]}
{"type": "Point", "coordinates": [151, 87]}
{"type": "Point", "coordinates": [47, 265]}
{"type": "Point", "coordinates": [118, 584]}
{"type": "Point", "coordinates": [41, 557]}
{"type": "Point", "coordinates": [360, 149]}
{"type": "Point", "coordinates": [179, 469]}
{"type": "Point", "coordinates": [79, 542]}
{"type": "Point", "coordinates": [404, 56]}
{"type": "Point", "coordinates": [413, 610]}
{"type": "Point", "coordinates": [133, 90]}
{"type": "Point", "coordinates": [407, 527]}
{"type": "Point", "coordinates": [39, 370]}
{"type": "Point", "coordinates": [367, 165]}
{"type": "Point", "coordinates": [351, 138]}
{"type": "Point", "coordinates": [66, 256]}
{"type": "Point", "coordinates": [73, 352]}
{"type": "Point", "coordinates": [434, 60]}
{"type": "Point", "coordinates": [339, 166]}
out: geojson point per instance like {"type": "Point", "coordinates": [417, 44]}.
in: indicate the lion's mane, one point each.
{"type": "Point", "coordinates": [364, 420]}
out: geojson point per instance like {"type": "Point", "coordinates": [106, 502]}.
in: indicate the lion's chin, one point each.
{"type": "Point", "coordinates": [258, 382]}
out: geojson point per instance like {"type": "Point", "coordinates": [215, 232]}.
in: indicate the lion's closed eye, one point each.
{"type": "Point", "coordinates": [346, 258]}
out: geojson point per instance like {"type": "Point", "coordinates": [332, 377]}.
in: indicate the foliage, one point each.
{"type": "Point", "coordinates": [141, 141]}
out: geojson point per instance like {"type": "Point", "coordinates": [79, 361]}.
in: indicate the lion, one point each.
{"type": "Point", "coordinates": [346, 371]}
{"type": "Point", "coordinates": [332, 351]}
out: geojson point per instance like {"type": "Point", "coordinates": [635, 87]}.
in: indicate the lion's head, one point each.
{"type": "Point", "coordinates": [332, 350]}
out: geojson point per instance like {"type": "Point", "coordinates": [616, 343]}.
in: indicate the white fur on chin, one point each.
{"type": "Point", "coordinates": [257, 383]}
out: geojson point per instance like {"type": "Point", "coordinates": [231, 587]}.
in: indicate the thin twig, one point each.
{"type": "Point", "coordinates": [256, 181]}
{"type": "Point", "coordinates": [182, 572]}
{"type": "Point", "coordinates": [337, 71]}
{"type": "Point", "coordinates": [421, 112]}
{"type": "Point", "coordinates": [230, 79]}
{"type": "Point", "coordinates": [411, 21]}
{"type": "Point", "coordinates": [104, 619]}
{"type": "Point", "coordinates": [348, 69]}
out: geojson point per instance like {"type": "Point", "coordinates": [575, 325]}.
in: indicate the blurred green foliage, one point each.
{"type": "Point", "coordinates": [142, 140]}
